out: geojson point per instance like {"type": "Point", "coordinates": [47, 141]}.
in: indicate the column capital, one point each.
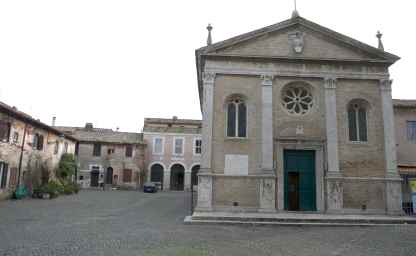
{"type": "Point", "coordinates": [385, 84]}
{"type": "Point", "coordinates": [208, 77]}
{"type": "Point", "coordinates": [330, 82]}
{"type": "Point", "coordinates": [267, 79]}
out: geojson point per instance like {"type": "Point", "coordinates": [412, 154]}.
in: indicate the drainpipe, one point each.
{"type": "Point", "coordinates": [21, 156]}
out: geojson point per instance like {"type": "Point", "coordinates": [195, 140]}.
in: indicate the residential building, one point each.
{"type": "Point", "coordinates": [108, 157]}
{"type": "Point", "coordinates": [174, 152]}
{"type": "Point", "coordinates": [297, 117]}
{"type": "Point", "coordinates": [405, 125]}
{"type": "Point", "coordinates": [28, 145]}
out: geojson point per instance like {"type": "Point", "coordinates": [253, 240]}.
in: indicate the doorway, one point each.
{"type": "Point", "coordinates": [95, 175]}
{"type": "Point", "coordinates": [177, 175]}
{"type": "Point", "coordinates": [299, 180]}
{"type": "Point", "coordinates": [109, 176]}
{"type": "Point", "coordinates": [156, 175]}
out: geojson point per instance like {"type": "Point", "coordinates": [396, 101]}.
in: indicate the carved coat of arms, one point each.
{"type": "Point", "coordinates": [296, 39]}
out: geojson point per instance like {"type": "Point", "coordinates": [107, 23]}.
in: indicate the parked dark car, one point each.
{"type": "Point", "coordinates": [149, 187]}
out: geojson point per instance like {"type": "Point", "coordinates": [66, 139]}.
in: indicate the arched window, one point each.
{"type": "Point", "coordinates": [357, 120]}
{"type": "Point", "coordinates": [236, 118]}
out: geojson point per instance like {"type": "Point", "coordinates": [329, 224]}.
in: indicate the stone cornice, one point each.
{"type": "Point", "coordinates": [296, 73]}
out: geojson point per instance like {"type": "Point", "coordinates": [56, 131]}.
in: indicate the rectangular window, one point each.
{"type": "Point", "coordinates": [97, 150]}
{"type": "Point", "coordinates": [4, 167]}
{"type": "Point", "coordinates": [56, 149]}
{"type": "Point", "coordinates": [129, 150]}
{"type": "Point", "coordinates": [198, 147]}
{"type": "Point", "coordinates": [66, 147]}
{"type": "Point", "coordinates": [110, 151]}
{"type": "Point", "coordinates": [178, 150]}
{"type": "Point", "coordinates": [158, 146]}
{"type": "Point", "coordinates": [4, 131]}
{"type": "Point", "coordinates": [127, 174]}
{"type": "Point", "coordinates": [411, 131]}
{"type": "Point", "coordinates": [352, 124]}
{"type": "Point", "coordinates": [15, 137]}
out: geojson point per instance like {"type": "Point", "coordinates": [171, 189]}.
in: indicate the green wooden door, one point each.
{"type": "Point", "coordinates": [302, 185]}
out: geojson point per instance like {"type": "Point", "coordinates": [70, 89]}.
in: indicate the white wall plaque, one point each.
{"type": "Point", "coordinates": [236, 165]}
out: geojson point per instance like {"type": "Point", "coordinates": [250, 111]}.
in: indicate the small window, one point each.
{"type": "Point", "coordinates": [37, 141]}
{"type": "Point", "coordinates": [129, 151]}
{"type": "Point", "coordinates": [110, 151]}
{"type": "Point", "coordinates": [56, 149]}
{"type": "Point", "coordinates": [15, 137]}
{"type": "Point", "coordinates": [4, 168]}
{"type": "Point", "coordinates": [81, 177]}
{"type": "Point", "coordinates": [236, 119]}
{"type": "Point", "coordinates": [4, 131]}
{"type": "Point", "coordinates": [198, 146]}
{"type": "Point", "coordinates": [357, 121]}
{"type": "Point", "coordinates": [158, 146]}
{"type": "Point", "coordinates": [178, 150]}
{"type": "Point", "coordinates": [96, 150]}
{"type": "Point", "coordinates": [127, 175]}
{"type": "Point", "coordinates": [411, 131]}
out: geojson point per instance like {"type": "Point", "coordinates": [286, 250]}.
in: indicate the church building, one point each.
{"type": "Point", "coordinates": [297, 117]}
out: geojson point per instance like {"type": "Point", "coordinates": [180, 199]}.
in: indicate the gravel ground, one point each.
{"type": "Point", "coordinates": [133, 223]}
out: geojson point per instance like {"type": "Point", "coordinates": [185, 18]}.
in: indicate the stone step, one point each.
{"type": "Point", "coordinates": [287, 219]}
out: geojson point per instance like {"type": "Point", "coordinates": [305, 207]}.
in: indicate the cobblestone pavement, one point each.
{"type": "Point", "coordinates": [133, 223]}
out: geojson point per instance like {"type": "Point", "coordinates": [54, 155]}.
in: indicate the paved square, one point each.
{"type": "Point", "coordinates": [133, 223]}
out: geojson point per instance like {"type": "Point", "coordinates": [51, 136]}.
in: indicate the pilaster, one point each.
{"type": "Point", "coordinates": [207, 121]}
{"type": "Point", "coordinates": [334, 189]}
{"type": "Point", "coordinates": [267, 123]}
{"type": "Point", "coordinates": [393, 189]}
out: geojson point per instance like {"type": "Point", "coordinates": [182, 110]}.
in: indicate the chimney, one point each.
{"type": "Point", "coordinates": [53, 120]}
{"type": "Point", "coordinates": [174, 118]}
{"type": "Point", "coordinates": [117, 128]}
{"type": "Point", "coordinates": [89, 126]}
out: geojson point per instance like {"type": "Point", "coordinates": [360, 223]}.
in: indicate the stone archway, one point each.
{"type": "Point", "coordinates": [194, 174]}
{"type": "Point", "coordinates": [156, 174]}
{"type": "Point", "coordinates": [177, 177]}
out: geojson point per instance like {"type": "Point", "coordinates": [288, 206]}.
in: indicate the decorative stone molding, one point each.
{"type": "Point", "coordinates": [267, 79]}
{"type": "Point", "coordinates": [297, 42]}
{"type": "Point", "coordinates": [385, 84]}
{"type": "Point", "coordinates": [208, 77]}
{"type": "Point", "coordinates": [330, 83]}
{"type": "Point", "coordinates": [267, 195]}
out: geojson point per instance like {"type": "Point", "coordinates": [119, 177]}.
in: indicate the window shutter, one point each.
{"type": "Point", "coordinates": [362, 119]}
{"type": "Point", "coordinates": [40, 142]}
{"type": "Point", "coordinates": [3, 183]}
{"type": "Point", "coordinates": [35, 141]}
{"type": "Point", "coordinates": [242, 120]}
{"type": "Point", "coordinates": [231, 116]}
{"type": "Point", "coordinates": [352, 124]}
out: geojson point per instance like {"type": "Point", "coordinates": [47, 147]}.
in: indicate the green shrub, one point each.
{"type": "Point", "coordinates": [54, 188]}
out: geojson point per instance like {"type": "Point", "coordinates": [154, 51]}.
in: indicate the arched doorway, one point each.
{"type": "Point", "coordinates": [109, 176]}
{"type": "Point", "coordinates": [156, 175]}
{"type": "Point", "coordinates": [194, 175]}
{"type": "Point", "coordinates": [177, 176]}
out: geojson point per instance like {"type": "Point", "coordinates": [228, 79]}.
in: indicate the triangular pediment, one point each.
{"type": "Point", "coordinates": [298, 38]}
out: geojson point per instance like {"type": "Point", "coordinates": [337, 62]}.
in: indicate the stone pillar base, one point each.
{"type": "Point", "coordinates": [267, 196]}
{"type": "Point", "coordinates": [205, 185]}
{"type": "Point", "coordinates": [394, 197]}
{"type": "Point", "coordinates": [334, 192]}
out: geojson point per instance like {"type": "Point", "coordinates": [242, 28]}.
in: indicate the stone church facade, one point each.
{"type": "Point", "coordinates": [297, 117]}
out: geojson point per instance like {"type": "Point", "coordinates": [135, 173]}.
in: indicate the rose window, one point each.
{"type": "Point", "coordinates": [297, 100]}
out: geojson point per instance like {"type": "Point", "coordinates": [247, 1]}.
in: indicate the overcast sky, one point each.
{"type": "Point", "coordinates": [115, 62]}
